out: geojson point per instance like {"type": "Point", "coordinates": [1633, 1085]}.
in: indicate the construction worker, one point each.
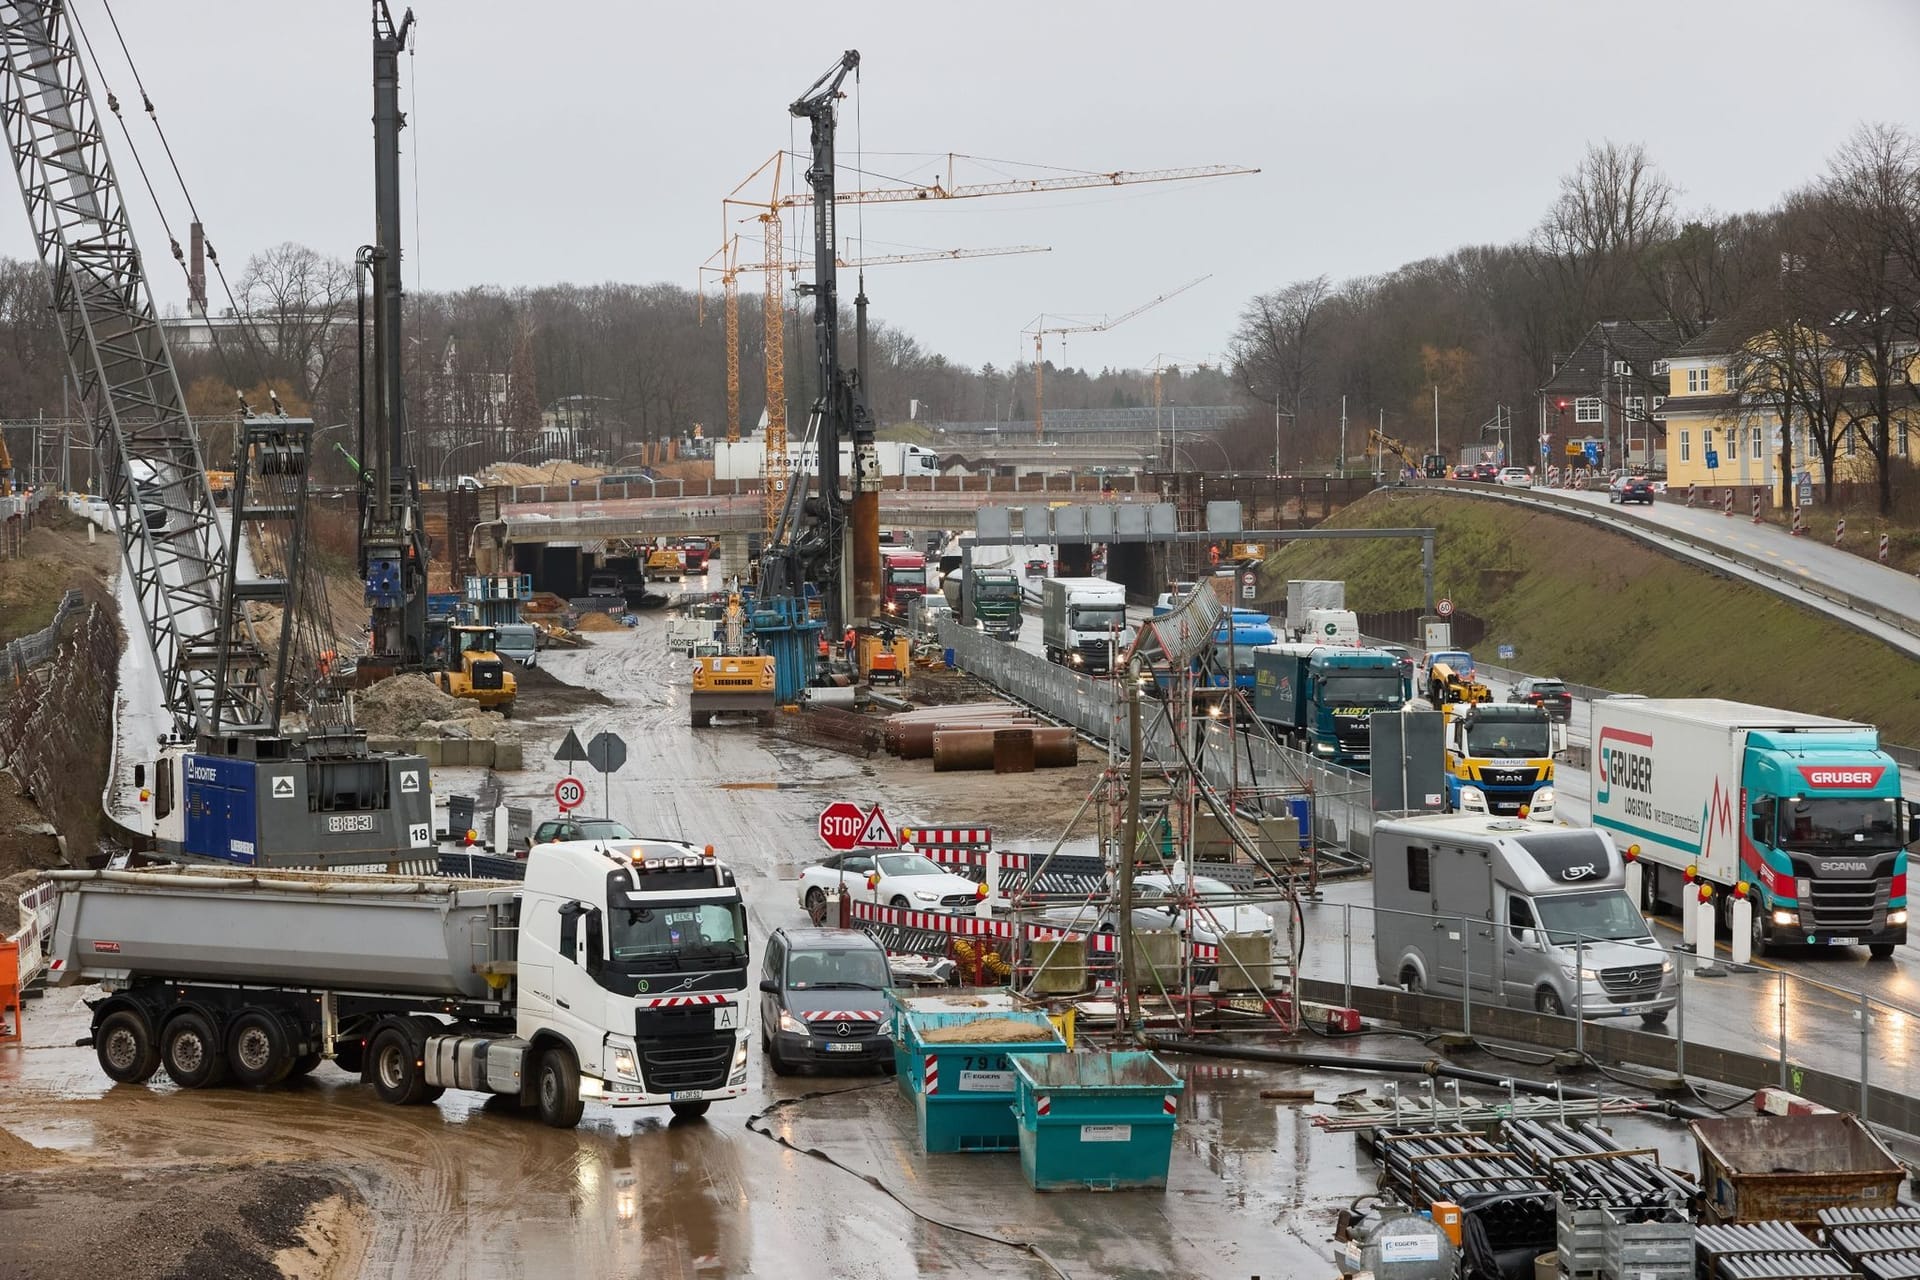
{"type": "Point", "coordinates": [853, 647]}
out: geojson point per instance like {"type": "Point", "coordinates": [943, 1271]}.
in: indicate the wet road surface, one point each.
{"type": "Point", "coordinates": [474, 1188]}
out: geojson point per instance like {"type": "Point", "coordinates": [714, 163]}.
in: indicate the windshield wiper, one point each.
{"type": "Point", "coordinates": [842, 986]}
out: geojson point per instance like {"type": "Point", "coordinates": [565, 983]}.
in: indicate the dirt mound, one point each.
{"type": "Point", "coordinates": [472, 725]}
{"type": "Point", "coordinates": [985, 1031]}
{"type": "Point", "coordinates": [547, 473]}
{"type": "Point", "coordinates": [596, 622]}
{"type": "Point", "coordinates": [401, 704]}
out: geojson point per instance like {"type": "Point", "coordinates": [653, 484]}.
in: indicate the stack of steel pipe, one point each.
{"type": "Point", "coordinates": [1764, 1251]}
{"type": "Point", "coordinates": [1589, 1169]}
{"type": "Point", "coordinates": [962, 737]}
{"type": "Point", "coordinates": [1881, 1243]}
{"type": "Point", "coordinates": [1423, 1167]}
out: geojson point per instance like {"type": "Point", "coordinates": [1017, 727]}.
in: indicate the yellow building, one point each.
{"type": "Point", "coordinates": [1716, 438]}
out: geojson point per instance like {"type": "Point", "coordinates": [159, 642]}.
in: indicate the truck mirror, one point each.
{"type": "Point", "coordinates": [769, 986]}
{"type": "Point", "coordinates": [1913, 820]}
{"type": "Point", "coordinates": [1531, 938]}
{"type": "Point", "coordinates": [593, 940]}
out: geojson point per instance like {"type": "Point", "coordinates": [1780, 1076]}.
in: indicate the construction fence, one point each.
{"type": "Point", "coordinates": [30, 651]}
{"type": "Point", "coordinates": [1257, 773]}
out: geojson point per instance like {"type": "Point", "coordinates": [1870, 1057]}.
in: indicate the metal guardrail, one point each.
{"type": "Point", "coordinates": [1342, 799]}
{"type": "Point", "coordinates": [1652, 530]}
{"type": "Point", "coordinates": [29, 651]}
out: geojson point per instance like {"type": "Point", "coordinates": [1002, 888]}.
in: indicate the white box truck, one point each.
{"type": "Point", "coordinates": [1083, 622]}
{"type": "Point", "coordinates": [615, 973]}
{"type": "Point", "coordinates": [1804, 810]}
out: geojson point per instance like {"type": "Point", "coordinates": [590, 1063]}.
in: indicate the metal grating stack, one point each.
{"type": "Point", "coordinates": [1765, 1251]}
{"type": "Point", "coordinates": [1616, 1212]}
{"type": "Point", "coordinates": [1450, 1165]}
{"type": "Point", "coordinates": [1881, 1244]}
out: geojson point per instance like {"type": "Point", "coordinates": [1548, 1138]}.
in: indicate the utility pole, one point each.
{"type": "Point", "coordinates": [1343, 435]}
{"type": "Point", "coordinates": [1129, 845]}
{"type": "Point", "coordinates": [1436, 417]}
{"type": "Point", "coordinates": [1276, 437]}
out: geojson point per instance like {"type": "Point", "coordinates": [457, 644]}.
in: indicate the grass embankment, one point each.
{"type": "Point", "coordinates": [1602, 609]}
{"type": "Point", "coordinates": [54, 555]}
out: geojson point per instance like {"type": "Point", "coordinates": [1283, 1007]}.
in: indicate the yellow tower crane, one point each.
{"type": "Point", "coordinates": [768, 214]}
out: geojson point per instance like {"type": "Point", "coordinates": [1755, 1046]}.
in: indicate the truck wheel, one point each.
{"type": "Point", "coordinates": [124, 1044]}
{"type": "Point", "coordinates": [557, 1089]}
{"type": "Point", "coordinates": [259, 1051]}
{"type": "Point", "coordinates": [688, 1110]}
{"type": "Point", "coordinates": [1758, 934]}
{"type": "Point", "coordinates": [1410, 980]}
{"type": "Point", "coordinates": [1658, 1018]}
{"type": "Point", "coordinates": [190, 1052]}
{"type": "Point", "coordinates": [1880, 950]}
{"type": "Point", "coordinates": [1548, 1001]}
{"type": "Point", "coordinates": [398, 1076]}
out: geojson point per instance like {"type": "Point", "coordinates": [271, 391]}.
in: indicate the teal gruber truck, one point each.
{"type": "Point", "coordinates": [1321, 698]}
{"type": "Point", "coordinates": [1804, 810]}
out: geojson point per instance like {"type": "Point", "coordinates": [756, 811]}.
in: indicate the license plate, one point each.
{"type": "Point", "coordinates": [1843, 942]}
{"type": "Point", "coordinates": [835, 1046]}
{"type": "Point", "coordinates": [687, 1095]}
{"type": "Point", "coordinates": [726, 1017]}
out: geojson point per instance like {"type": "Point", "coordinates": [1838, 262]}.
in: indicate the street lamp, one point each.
{"type": "Point", "coordinates": [448, 456]}
{"type": "Point", "coordinates": [1277, 415]}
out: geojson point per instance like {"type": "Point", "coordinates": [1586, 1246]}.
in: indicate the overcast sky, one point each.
{"type": "Point", "coordinates": [589, 140]}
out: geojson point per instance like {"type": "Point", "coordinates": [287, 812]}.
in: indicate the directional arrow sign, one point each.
{"type": "Point", "coordinates": [570, 748]}
{"type": "Point", "coordinates": [875, 833]}
{"type": "Point", "coordinates": [607, 752]}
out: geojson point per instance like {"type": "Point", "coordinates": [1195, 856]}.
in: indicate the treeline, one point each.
{"type": "Point", "coordinates": [1486, 324]}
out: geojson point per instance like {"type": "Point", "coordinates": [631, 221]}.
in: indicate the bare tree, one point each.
{"type": "Point", "coordinates": [1613, 209]}
{"type": "Point", "coordinates": [300, 301]}
{"type": "Point", "coordinates": [1276, 348]}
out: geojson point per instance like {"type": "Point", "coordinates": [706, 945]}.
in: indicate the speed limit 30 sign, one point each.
{"type": "Point", "coordinates": [569, 793]}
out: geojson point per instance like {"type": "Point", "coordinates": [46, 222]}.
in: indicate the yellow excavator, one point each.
{"type": "Point", "coordinates": [733, 681]}
{"type": "Point", "coordinates": [1432, 465]}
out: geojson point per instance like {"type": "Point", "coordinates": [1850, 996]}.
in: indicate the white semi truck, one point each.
{"type": "Point", "coordinates": [1083, 622]}
{"type": "Point", "coordinates": [616, 973]}
{"type": "Point", "coordinates": [747, 459]}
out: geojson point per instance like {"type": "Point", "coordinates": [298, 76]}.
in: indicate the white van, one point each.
{"type": "Point", "coordinates": [1527, 914]}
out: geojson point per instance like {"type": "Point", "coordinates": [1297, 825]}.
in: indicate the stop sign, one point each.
{"type": "Point", "coordinates": [841, 824]}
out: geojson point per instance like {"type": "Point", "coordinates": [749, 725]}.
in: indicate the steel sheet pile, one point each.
{"type": "Point", "coordinates": [1881, 1244]}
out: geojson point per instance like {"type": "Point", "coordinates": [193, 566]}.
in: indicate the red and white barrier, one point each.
{"type": "Point", "coordinates": [1839, 530]}
{"type": "Point", "coordinates": [1727, 506]}
{"type": "Point", "coordinates": [1756, 506]}
{"type": "Point", "coordinates": [1799, 529]}
{"type": "Point", "coordinates": [1778, 1102]}
{"type": "Point", "coordinates": [1884, 548]}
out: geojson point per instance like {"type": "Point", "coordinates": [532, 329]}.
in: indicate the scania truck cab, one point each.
{"type": "Point", "coordinates": [1806, 811]}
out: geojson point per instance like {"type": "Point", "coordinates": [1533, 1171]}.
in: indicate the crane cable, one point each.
{"type": "Point", "coordinates": [313, 620]}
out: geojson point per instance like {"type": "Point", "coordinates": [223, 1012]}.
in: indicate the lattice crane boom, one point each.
{"type": "Point", "coordinates": [211, 667]}
{"type": "Point", "coordinates": [1042, 329]}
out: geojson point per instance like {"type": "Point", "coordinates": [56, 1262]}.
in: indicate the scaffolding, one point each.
{"type": "Point", "coordinates": [1163, 920]}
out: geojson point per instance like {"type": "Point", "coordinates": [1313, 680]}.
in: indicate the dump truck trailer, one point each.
{"type": "Point", "coordinates": [536, 990]}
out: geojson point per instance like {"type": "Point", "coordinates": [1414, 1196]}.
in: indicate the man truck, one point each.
{"type": "Point", "coordinates": [1322, 698]}
{"type": "Point", "coordinates": [615, 973]}
{"type": "Point", "coordinates": [1083, 622]}
{"type": "Point", "coordinates": [1804, 810]}
{"type": "Point", "coordinates": [905, 581]}
{"type": "Point", "coordinates": [1499, 759]}
{"type": "Point", "coordinates": [1528, 914]}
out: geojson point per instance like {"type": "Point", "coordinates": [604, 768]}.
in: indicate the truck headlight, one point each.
{"type": "Point", "coordinates": [1541, 806]}
{"type": "Point", "coordinates": [1666, 966]}
{"type": "Point", "coordinates": [791, 1025]}
{"type": "Point", "coordinates": [1897, 917]}
{"type": "Point", "coordinates": [1787, 919]}
{"type": "Point", "coordinates": [1582, 972]}
{"type": "Point", "coordinates": [1323, 748]}
{"type": "Point", "coordinates": [1077, 660]}
{"type": "Point", "coordinates": [739, 1073]}
{"type": "Point", "coordinates": [1473, 800]}
{"type": "Point", "coordinates": [623, 1065]}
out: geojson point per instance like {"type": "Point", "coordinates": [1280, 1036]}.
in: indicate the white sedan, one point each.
{"type": "Point", "coordinates": [910, 880]}
{"type": "Point", "coordinates": [1159, 905]}
{"type": "Point", "coordinates": [1516, 478]}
